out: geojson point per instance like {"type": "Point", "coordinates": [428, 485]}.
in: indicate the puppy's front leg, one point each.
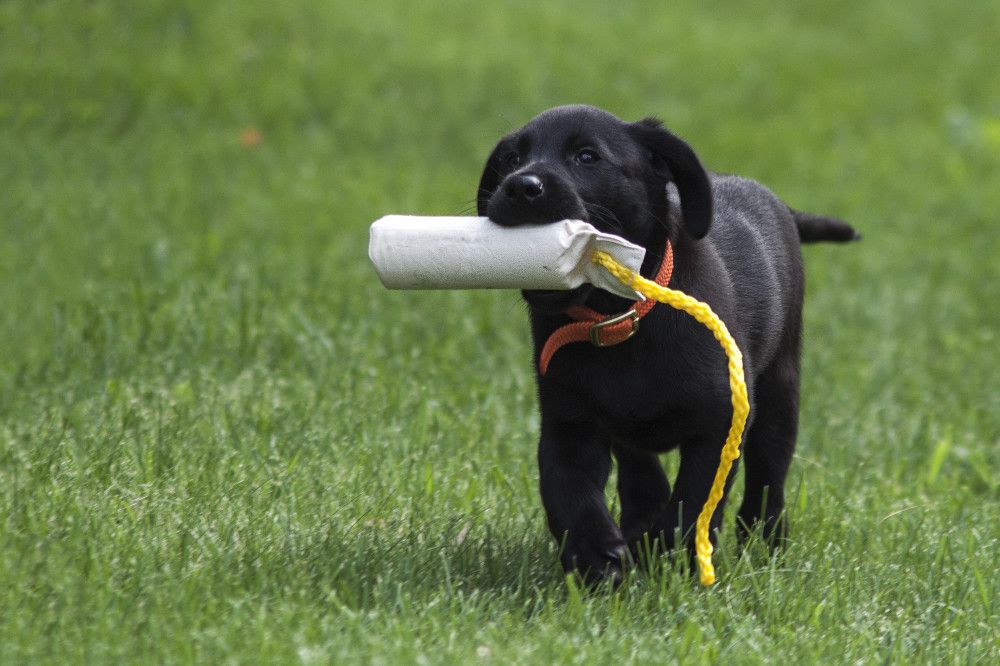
{"type": "Point", "coordinates": [574, 461]}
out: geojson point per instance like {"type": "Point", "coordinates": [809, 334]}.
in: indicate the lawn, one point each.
{"type": "Point", "coordinates": [221, 440]}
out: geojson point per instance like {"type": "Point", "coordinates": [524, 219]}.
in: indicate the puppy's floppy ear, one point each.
{"type": "Point", "coordinates": [675, 160]}
{"type": "Point", "coordinates": [488, 182]}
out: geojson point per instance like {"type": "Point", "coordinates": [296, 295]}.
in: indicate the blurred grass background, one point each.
{"type": "Point", "coordinates": [222, 440]}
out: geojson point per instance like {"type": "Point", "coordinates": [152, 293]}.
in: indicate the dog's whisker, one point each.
{"type": "Point", "coordinates": [465, 208]}
{"type": "Point", "coordinates": [604, 215]}
{"type": "Point", "coordinates": [603, 209]}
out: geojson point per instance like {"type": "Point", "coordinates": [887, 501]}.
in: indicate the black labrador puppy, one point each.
{"type": "Point", "coordinates": [735, 246]}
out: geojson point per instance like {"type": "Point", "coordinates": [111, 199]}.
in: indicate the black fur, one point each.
{"type": "Point", "coordinates": [814, 228]}
{"type": "Point", "coordinates": [736, 247]}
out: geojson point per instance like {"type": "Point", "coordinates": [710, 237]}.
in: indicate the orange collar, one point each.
{"type": "Point", "coordinates": [600, 329]}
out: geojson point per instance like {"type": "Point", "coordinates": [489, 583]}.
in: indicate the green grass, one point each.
{"type": "Point", "coordinates": [222, 441]}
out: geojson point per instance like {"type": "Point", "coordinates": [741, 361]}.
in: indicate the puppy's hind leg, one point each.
{"type": "Point", "coordinates": [699, 462]}
{"type": "Point", "coordinates": [768, 450]}
{"type": "Point", "coordinates": [644, 491]}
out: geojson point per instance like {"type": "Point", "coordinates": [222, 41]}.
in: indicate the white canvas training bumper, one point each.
{"type": "Point", "coordinates": [415, 252]}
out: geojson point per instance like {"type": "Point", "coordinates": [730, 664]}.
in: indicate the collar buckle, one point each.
{"type": "Point", "coordinates": [630, 316]}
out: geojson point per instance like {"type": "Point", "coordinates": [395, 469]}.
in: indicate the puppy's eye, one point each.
{"type": "Point", "coordinates": [512, 159]}
{"type": "Point", "coordinates": [587, 156]}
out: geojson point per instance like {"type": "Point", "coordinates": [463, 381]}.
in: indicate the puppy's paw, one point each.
{"type": "Point", "coordinates": [596, 562]}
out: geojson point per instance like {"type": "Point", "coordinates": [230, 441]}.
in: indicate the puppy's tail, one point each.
{"type": "Point", "coordinates": [816, 228]}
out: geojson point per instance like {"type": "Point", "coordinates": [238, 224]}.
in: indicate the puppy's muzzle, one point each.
{"type": "Point", "coordinates": [534, 196]}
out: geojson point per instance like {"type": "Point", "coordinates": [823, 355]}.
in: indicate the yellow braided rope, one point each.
{"type": "Point", "coordinates": [737, 385]}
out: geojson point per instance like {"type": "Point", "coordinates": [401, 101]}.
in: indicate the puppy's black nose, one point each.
{"type": "Point", "coordinates": [528, 186]}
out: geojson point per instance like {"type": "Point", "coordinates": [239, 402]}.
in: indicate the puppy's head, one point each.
{"type": "Point", "coordinates": [579, 162]}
